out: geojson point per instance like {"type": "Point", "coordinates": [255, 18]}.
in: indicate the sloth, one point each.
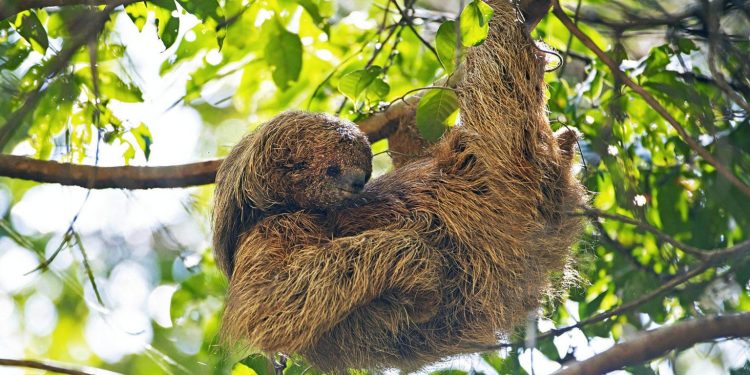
{"type": "Point", "coordinates": [296, 162]}
{"type": "Point", "coordinates": [446, 254]}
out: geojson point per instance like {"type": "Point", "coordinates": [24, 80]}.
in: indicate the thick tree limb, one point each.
{"type": "Point", "coordinates": [655, 343]}
{"type": "Point", "coordinates": [109, 177]}
{"type": "Point", "coordinates": [48, 367]}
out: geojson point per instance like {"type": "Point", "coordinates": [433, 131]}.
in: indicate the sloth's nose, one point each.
{"type": "Point", "coordinates": [354, 179]}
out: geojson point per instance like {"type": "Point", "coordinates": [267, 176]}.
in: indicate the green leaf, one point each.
{"type": "Point", "coordinates": [11, 56]}
{"type": "Point", "coordinates": [129, 153]}
{"type": "Point", "coordinates": [449, 372]}
{"type": "Point", "coordinates": [686, 45]}
{"type": "Point", "coordinates": [548, 348]}
{"type": "Point", "coordinates": [114, 88]}
{"type": "Point", "coordinates": [297, 366]}
{"type": "Point", "coordinates": [204, 9]}
{"type": "Point", "coordinates": [356, 82]}
{"type": "Point", "coordinates": [588, 308]}
{"type": "Point", "coordinates": [211, 13]}
{"type": "Point", "coordinates": [446, 43]}
{"type": "Point", "coordinates": [475, 20]}
{"type": "Point", "coordinates": [257, 362]}
{"type": "Point", "coordinates": [377, 90]}
{"type": "Point", "coordinates": [143, 137]}
{"type": "Point", "coordinates": [284, 54]}
{"type": "Point", "coordinates": [221, 34]}
{"type": "Point", "coordinates": [436, 111]}
{"type": "Point", "coordinates": [169, 35]}
{"type": "Point", "coordinates": [314, 11]}
{"type": "Point", "coordinates": [166, 4]}
{"type": "Point", "coordinates": [32, 30]}
{"type": "Point", "coordinates": [111, 86]}
{"type": "Point", "coordinates": [111, 51]}
{"type": "Point", "coordinates": [241, 369]}
{"type": "Point", "coordinates": [138, 13]}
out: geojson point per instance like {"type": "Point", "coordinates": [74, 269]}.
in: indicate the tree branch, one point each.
{"type": "Point", "coordinates": [377, 127]}
{"type": "Point", "coordinates": [108, 177]}
{"type": "Point", "coordinates": [657, 342]}
{"type": "Point", "coordinates": [613, 66]}
{"type": "Point", "coordinates": [11, 8]}
{"type": "Point", "coordinates": [533, 11]}
{"type": "Point", "coordinates": [47, 367]}
{"type": "Point", "coordinates": [712, 258]}
{"type": "Point", "coordinates": [594, 213]}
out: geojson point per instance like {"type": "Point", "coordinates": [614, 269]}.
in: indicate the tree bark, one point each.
{"type": "Point", "coordinates": [47, 367]}
{"type": "Point", "coordinates": [655, 343]}
{"type": "Point", "coordinates": [127, 177]}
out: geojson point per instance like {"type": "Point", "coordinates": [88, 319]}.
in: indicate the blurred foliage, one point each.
{"type": "Point", "coordinates": [246, 61]}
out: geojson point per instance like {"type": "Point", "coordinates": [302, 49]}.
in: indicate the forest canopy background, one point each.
{"type": "Point", "coordinates": [123, 278]}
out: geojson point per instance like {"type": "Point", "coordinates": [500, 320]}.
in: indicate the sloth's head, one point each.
{"type": "Point", "coordinates": [297, 160]}
{"type": "Point", "coordinates": [308, 161]}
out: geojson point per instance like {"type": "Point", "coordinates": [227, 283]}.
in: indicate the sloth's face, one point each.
{"type": "Point", "coordinates": [329, 169]}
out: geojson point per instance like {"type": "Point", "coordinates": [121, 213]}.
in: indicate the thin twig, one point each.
{"type": "Point", "coordinates": [379, 47]}
{"type": "Point", "coordinates": [87, 267]}
{"type": "Point", "coordinates": [693, 144]}
{"type": "Point", "coordinates": [47, 367]}
{"type": "Point", "coordinates": [403, 97]}
{"type": "Point", "coordinates": [335, 69]}
{"type": "Point", "coordinates": [713, 43]}
{"type": "Point", "coordinates": [409, 23]}
{"type": "Point", "coordinates": [624, 251]}
{"type": "Point", "coordinates": [715, 257]}
{"type": "Point", "coordinates": [570, 40]}
{"type": "Point", "coordinates": [57, 63]}
{"type": "Point", "coordinates": [594, 213]}
{"type": "Point", "coordinates": [280, 364]}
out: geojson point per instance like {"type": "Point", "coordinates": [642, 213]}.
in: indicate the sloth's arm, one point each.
{"type": "Point", "coordinates": [285, 299]}
{"type": "Point", "coordinates": [501, 97]}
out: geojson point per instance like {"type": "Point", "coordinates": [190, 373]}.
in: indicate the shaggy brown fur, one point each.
{"type": "Point", "coordinates": [438, 257]}
{"type": "Point", "coordinates": [296, 161]}
{"type": "Point", "coordinates": [405, 144]}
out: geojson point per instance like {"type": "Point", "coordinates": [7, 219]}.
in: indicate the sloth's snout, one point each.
{"type": "Point", "coordinates": [353, 180]}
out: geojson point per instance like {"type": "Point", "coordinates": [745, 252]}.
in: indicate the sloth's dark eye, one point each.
{"type": "Point", "coordinates": [296, 166]}
{"type": "Point", "coordinates": [333, 171]}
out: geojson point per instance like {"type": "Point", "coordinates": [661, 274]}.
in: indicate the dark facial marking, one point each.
{"type": "Point", "coordinates": [333, 171]}
{"type": "Point", "coordinates": [298, 166]}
